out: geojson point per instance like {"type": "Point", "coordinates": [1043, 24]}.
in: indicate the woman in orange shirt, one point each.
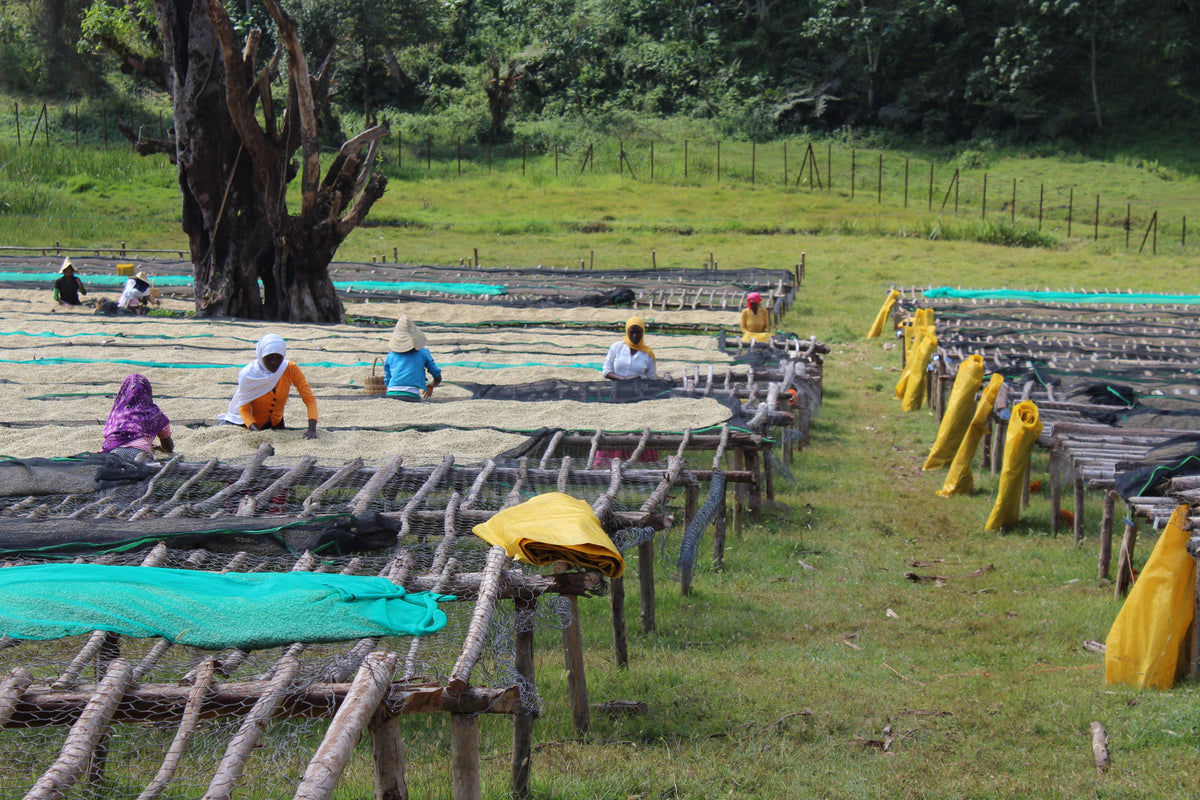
{"type": "Point", "coordinates": [263, 388]}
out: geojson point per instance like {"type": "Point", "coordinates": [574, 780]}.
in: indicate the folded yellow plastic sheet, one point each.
{"type": "Point", "coordinates": [959, 479]}
{"type": "Point", "coordinates": [1149, 644]}
{"type": "Point", "coordinates": [957, 416]}
{"type": "Point", "coordinates": [911, 334]}
{"type": "Point", "coordinates": [882, 317]}
{"type": "Point", "coordinates": [1024, 427]}
{"type": "Point", "coordinates": [553, 527]}
{"type": "Point", "coordinates": [918, 378]}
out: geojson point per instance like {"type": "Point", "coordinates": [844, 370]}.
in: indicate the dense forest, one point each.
{"type": "Point", "coordinates": [933, 70]}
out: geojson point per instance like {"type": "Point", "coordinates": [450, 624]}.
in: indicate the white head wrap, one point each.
{"type": "Point", "coordinates": [254, 379]}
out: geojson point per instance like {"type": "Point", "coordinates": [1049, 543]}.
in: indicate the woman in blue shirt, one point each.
{"type": "Point", "coordinates": [407, 361]}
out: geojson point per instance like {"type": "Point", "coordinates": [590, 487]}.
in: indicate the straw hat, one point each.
{"type": "Point", "coordinates": [141, 276]}
{"type": "Point", "coordinates": [66, 263]}
{"type": "Point", "coordinates": [406, 336]}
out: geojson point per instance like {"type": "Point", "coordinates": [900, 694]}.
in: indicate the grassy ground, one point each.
{"type": "Point", "coordinates": [780, 674]}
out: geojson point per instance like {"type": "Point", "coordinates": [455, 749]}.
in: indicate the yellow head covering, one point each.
{"type": "Point", "coordinates": [637, 322]}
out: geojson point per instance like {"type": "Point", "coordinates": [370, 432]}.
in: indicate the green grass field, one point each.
{"type": "Point", "coordinates": [777, 676]}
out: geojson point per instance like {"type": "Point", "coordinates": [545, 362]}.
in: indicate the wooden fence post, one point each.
{"type": "Point", "coordinates": [1070, 210]}
{"type": "Point", "coordinates": [879, 188]}
{"type": "Point", "coordinates": [906, 183]}
{"type": "Point", "coordinates": [1096, 222]}
{"type": "Point", "coordinates": [17, 120]}
{"type": "Point", "coordinates": [1012, 215]}
{"type": "Point", "coordinates": [1041, 200]}
{"type": "Point", "coordinates": [853, 154]}
{"type": "Point", "coordinates": [983, 209]}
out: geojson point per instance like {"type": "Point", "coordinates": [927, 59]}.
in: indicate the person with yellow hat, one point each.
{"type": "Point", "coordinates": [68, 287]}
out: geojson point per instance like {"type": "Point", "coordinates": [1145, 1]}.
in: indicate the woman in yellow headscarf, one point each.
{"type": "Point", "coordinates": [628, 359]}
{"type": "Point", "coordinates": [632, 357]}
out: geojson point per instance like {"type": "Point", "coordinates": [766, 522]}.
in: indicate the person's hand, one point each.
{"type": "Point", "coordinates": [428, 393]}
{"type": "Point", "coordinates": [311, 433]}
{"type": "Point", "coordinates": [254, 426]}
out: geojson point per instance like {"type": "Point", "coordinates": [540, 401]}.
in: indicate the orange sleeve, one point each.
{"type": "Point", "coordinates": [301, 384]}
{"type": "Point", "coordinates": [247, 412]}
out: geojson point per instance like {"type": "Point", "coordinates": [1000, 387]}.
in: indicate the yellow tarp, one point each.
{"type": "Point", "coordinates": [553, 527]}
{"type": "Point", "coordinates": [761, 336]}
{"type": "Point", "coordinates": [1149, 643]}
{"type": "Point", "coordinates": [959, 479]}
{"type": "Point", "coordinates": [957, 416]}
{"type": "Point", "coordinates": [881, 318]}
{"type": "Point", "coordinates": [1024, 427]}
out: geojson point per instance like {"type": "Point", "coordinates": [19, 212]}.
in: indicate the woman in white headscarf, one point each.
{"type": "Point", "coordinates": [263, 388]}
{"type": "Point", "coordinates": [407, 361]}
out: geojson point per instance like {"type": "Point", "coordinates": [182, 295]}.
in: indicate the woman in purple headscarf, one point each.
{"type": "Point", "coordinates": [135, 420]}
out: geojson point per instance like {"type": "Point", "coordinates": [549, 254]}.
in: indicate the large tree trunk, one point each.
{"type": "Point", "coordinates": [251, 257]}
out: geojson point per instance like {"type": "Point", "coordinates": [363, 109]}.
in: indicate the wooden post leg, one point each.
{"type": "Point", "coordinates": [768, 472]}
{"type": "Point", "coordinates": [576, 682]}
{"type": "Point", "coordinates": [739, 489]}
{"type": "Point", "coordinates": [616, 600]}
{"type": "Point", "coordinates": [1025, 481]}
{"type": "Point", "coordinates": [753, 466]}
{"type": "Point", "coordinates": [387, 747]}
{"type": "Point", "coordinates": [522, 758]}
{"type": "Point", "coordinates": [719, 532]}
{"type": "Point", "coordinates": [998, 431]}
{"type": "Point", "coordinates": [985, 458]}
{"type": "Point", "coordinates": [1079, 497]}
{"type": "Point", "coordinates": [464, 757]}
{"type": "Point", "coordinates": [1125, 561]}
{"type": "Point", "coordinates": [646, 581]}
{"type": "Point", "coordinates": [1194, 673]}
{"type": "Point", "coordinates": [1055, 492]}
{"type": "Point", "coordinates": [1106, 533]}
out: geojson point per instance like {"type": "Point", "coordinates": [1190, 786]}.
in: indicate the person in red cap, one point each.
{"type": "Point", "coordinates": [756, 320]}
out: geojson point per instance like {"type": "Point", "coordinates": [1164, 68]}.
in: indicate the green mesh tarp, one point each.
{"type": "Point", "coordinates": [163, 281]}
{"type": "Point", "coordinates": [209, 610]}
{"type": "Point", "coordinates": [1062, 297]}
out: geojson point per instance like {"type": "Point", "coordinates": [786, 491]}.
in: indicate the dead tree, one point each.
{"type": "Point", "coordinates": [234, 145]}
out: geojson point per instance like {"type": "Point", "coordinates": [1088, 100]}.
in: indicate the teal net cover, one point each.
{"type": "Point", "coordinates": [1062, 297]}
{"type": "Point", "coordinates": [209, 610]}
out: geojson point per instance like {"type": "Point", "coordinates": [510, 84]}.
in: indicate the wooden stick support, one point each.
{"type": "Point", "coordinates": [349, 723]}
{"type": "Point", "coordinates": [86, 734]}
{"type": "Point", "coordinates": [523, 662]}
{"type": "Point", "coordinates": [616, 599]}
{"type": "Point", "coordinates": [1125, 560]}
{"type": "Point", "coordinates": [464, 757]}
{"type": "Point", "coordinates": [576, 682]}
{"type": "Point", "coordinates": [1106, 533]}
{"type": "Point", "coordinates": [1079, 498]}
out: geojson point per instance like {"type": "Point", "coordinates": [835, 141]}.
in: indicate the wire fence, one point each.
{"type": "Point", "coordinates": [896, 191]}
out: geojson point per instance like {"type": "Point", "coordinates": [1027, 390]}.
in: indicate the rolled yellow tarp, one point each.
{"type": "Point", "coordinates": [912, 333]}
{"type": "Point", "coordinates": [959, 479]}
{"type": "Point", "coordinates": [918, 374]}
{"type": "Point", "coordinates": [553, 527]}
{"type": "Point", "coordinates": [922, 322]}
{"type": "Point", "coordinates": [884, 311]}
{"type": "Point", "coordinates": [1024, 426]}
{"type": "Point", "coordinates": [958, 412]}
{"type": "Point", "coordinates": [1147, 645]}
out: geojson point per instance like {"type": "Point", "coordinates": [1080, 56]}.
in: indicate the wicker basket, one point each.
{"type": "Point", "coordinates": [375, 382]}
